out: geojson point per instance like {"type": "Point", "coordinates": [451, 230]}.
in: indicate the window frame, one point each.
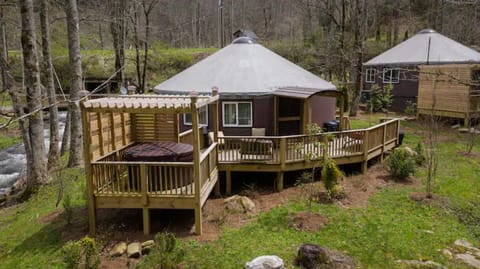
{"type": "Point", "coordinates": [199, 123]}
{"type": "Point", "coordinates": [236, 111]}
{"type": "Point", "coordinates": [369, 77]}
{"type": "Point", "coordinates": [390, 70]}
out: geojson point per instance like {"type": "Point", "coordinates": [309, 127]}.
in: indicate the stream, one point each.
{"type": "Point", "coordinates": [13, 160]}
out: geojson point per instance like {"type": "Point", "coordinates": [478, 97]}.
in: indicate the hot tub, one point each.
{"type": "Point", "coordinates": [164, 179]}
{"type": "Point", "coordinates": [159, 152]}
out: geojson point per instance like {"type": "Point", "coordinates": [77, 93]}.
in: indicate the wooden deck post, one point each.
{"type": "Point", "coordinates": [365, 152]}
{"type": "Point", "coordinates": [215, 132]}
{"type": "Point", "coordinates": [146, 221]}
{"type": "Point", "coordinates": [228, 174]}
{"type": "Point", "coordinates": [342, 108]}
{"type": "Point", "coordinates": [384, 140]}
{"type": "Point", "coordinates": [283, 153]}
{"type": "Point", "coordinates": [280, 181]}
{"type": "Point", "coordinates": [196, 163]}
{"type": "Point", "coordinates": [92, 212]}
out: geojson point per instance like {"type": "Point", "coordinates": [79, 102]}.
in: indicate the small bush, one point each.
{"type": "Point", "coordinates": [380, 99]}
{"type": "Point", "coordinates": [420, 150]}
{"type": "Point", "coordinates": [81, 254]}
{"type": "Point", "coordinates": [331, 176]}
{"type": "Point", "coordinates": [165, 254]}
{"type": "Point", "coordinates": [400, 164]}
{"type": "Point", "coordinates": [411, 108]}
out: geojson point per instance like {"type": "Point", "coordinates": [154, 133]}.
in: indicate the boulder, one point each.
{"type": "Point", "coordinates": [421, 264]}
{"type": "Point", "coordinates": [463, 245]}
{"type": "Point", "coordinates": [410, 152]}
{"type": "Point", "coordinates": [134, 250]}
{"type": "Point", "coordinates": [233, 204]}
{"type": "Point", "coordinates": [147, 246]}
{"type": "Point", "coordinates": [237, 203]}
{"type": "Point", "coordinates": [468, 259]}
{"type": "Point", "coordinates": [265, 262]}
{"type": "Point", "coordinates": [119, 249]}
{"type": "Point", "coordinates": [311, 256]}
{"type": "Point", "coordinates": [447, 253]}
{"type": "Point", "coordinates": [248, 205]}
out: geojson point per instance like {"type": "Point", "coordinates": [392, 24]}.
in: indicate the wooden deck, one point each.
{"type": "Point", "coordinates": [112, 125]}
{"type": "Point", "coordinates": [288, 153]}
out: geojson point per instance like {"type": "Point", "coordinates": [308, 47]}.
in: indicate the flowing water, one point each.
{"type": "Point", "coordinates": [13, 160]}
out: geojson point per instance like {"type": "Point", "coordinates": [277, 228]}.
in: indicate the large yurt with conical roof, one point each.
{"type": "Point", "coordinates": [258, 89]}
{"type": "Point", "coordinates": [402, 65]}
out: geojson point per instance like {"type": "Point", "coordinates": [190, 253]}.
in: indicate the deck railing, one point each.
{"type": "Point", "coordinates": [298, 148]}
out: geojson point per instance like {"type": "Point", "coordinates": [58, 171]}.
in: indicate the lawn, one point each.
{"type": "Point", "coordinates": [390, 227]}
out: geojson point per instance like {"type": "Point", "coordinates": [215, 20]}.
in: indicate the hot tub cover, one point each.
{"type": "Point", "coordinates": [160, 152]}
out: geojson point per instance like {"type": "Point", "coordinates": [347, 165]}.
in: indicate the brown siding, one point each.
{"type": "Point", "coordinates": [405, 90]}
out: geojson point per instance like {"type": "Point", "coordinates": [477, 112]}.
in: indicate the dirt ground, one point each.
{"type": "Point", "coordinates": [115, 225]}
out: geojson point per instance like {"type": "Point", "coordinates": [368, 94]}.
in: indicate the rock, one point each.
{"type": "Point", "coordinates": [265, 262]}
{"type": "Point", "coordinates": [147, 246]}
{"type": "Point", "coordinates": [456, 126]}
{"type": "Point", "coordinates": [311, 256]}
{"type": "Point", "coordinates": [119, 249]}
{"type": "Point", "coordinates": [447, 253]}
{"type": "Point", "coordinates": [463, 130]}
{"type": "Point", "coordinates": [410, 152]}
{"type": "Point", "coordinates": [463, 245]}
{"type": "Point", "coordinates": [468, 259]}
{"type": "Point", "coordinates": [247, 204]}
{"type": "Point", "coordinates": [237, 203]}
{"type": "Point", "coordinates": [421, 264]}
{"type": "Point", "coordinates": [134, 250]}
{"type": "Point", "coordinates": [233, 204]}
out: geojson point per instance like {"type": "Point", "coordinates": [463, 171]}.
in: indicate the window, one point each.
{"type": "Point", "coordinates": [237, 114]}
{"type": "Point", "coordinates": [202, 116]}
{"type": "Point", "coordinates": [370, 75]}
{"type": "Point", "coordinates": [391, 75]}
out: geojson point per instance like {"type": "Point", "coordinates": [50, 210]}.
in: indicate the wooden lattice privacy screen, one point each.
{"type": "Point", "coordinates": [448, 90]}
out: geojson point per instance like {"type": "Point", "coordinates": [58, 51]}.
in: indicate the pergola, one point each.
{"type": "Point", "coordinates": [113, 124]}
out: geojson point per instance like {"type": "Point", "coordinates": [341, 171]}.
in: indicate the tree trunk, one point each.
{"type": "Point", "coordinates": [146, 12]}
{"type": "Point", "coordinates": [36, 166]}
{"type": "Point", "coordinates": [76, 143]}
{"type": "Point", "coordinates": [119, 31]}
{"type": "Point", "coordinates": [53, 152]}
{"type": "Point", "coordinates": [358, 46]}
{"type": "Point", "coordinates": [66, 136]}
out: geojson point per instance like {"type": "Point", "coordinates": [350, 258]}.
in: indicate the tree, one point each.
{"type": "Point", "coordinates": [35, 145]}
{"type": "Point", "coordinates": [76, 84]}
{"type": "Point", "coordinates": [53, 152]}
{"type": "Point", "coordinates": [147, 7]}
{"type": "Point", "coordinates": [118, 29]}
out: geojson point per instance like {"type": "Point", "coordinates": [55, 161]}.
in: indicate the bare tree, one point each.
{"type": "Point", "coordinates": [76, 84]}
{"type": "Point", "coordinates": [35, 146]}
{"type": "Point", "coordinates": [147, 7]}
{"type": "Point", "coordinates": [118, 29]}
{"type": "Point", "coordinates": [53, 152]}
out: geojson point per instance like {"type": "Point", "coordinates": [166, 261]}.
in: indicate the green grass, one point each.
{"type": "Point", "coordinates": [28, 242]}
{"type": "Point", "coordinates": [391, 227]}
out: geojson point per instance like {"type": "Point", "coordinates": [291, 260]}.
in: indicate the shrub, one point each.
{"type": "Point", "coordinates": [420, 150]}
{"type": "Point", "coordinates": [380, 99]}
{"type": "Point", "coordinates": [165, 254]}
{"type": "Point", "coordinates": [331, 176]}
{"type": "Point", "coordinates": [411, 108]}
{"type": "Point", "coordinates": [400, 164]}
{"type": "Point", "coordinates": [81, 254]}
